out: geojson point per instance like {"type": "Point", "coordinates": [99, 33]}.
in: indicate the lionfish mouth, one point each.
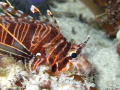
{"type": "Point", "coordinates": [79, 64]}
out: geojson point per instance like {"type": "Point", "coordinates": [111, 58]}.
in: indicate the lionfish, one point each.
{"type": "Point", "coordinates": [26, 38]}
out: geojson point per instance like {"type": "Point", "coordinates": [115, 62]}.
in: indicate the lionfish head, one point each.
{"type": "Point", "coordinates": [76, 60]}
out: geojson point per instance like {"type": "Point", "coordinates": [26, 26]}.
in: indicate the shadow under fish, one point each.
{"type": "Point", "coordinates": [25, 5]}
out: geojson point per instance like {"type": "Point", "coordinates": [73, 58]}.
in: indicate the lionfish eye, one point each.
{"type": "Point", "coordinates": [74, 55]}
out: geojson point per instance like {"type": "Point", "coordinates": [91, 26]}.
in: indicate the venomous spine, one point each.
{"type": "Point", "coordinates": [24, 37]}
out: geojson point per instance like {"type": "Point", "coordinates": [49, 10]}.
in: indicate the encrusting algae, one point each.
{"type": "Point", "coordinates": [18, 78]}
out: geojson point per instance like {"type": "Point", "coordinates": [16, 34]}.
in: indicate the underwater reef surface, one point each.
{"type": "Point", "coordinates": [100, 51]}
{"type": "Point", "coordinates": [18, 78]}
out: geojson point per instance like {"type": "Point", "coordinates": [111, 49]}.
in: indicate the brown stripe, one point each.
{"type": "Point", "coordinates": [53, 44]}
{"type": "Point", "coordinates": [5, 36]}
{"type": "Point", "coordinates": [9, 39]}
{"type": "Point", "coordinates": [53, 41]}
{"type": "Point", "coordinates": [15, 32]}
{"type": "Point", "coordinates": [46, 31]}
{"type": "Point", "coordinates": [35, 38]}
{"type": "Point", "coordinates": [49, 36]}
{"type": "Point", "coordinates": [38, 29]}
{"type": "Point", "coordinates": [56, 40]}
{"type": "Point", "coordinates": [62, 64]}
{"type": "Point", "coordinates": [4, 32]}
{"type": "Point", "coordinates": [60, 52]}
{"type": "Point", "coordinates": [51, 47]}
{"type": "Point", "coordinates": [43, 31]}
{"type": "Point", "coordinates": [1, 34]}
{"type": "Point", "coordinates": [23, 29]}
{"type": "Point", "coordinates": [18, 31]}
{"type": "Point", "coordinates": [54, 68]}
{"type": "Point", "coordinates": [29, 34]}
{"type": "Point", "coordinates": [64, 53]}
{"type": "Point", "coordinates": [58, 48]}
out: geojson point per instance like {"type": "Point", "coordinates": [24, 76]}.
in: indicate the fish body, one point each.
{"type": "Point", "coordinates": [27, 38]}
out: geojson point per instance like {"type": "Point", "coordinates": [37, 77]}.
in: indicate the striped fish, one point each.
{"type": "Point", "coordinates": [26, 38]}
